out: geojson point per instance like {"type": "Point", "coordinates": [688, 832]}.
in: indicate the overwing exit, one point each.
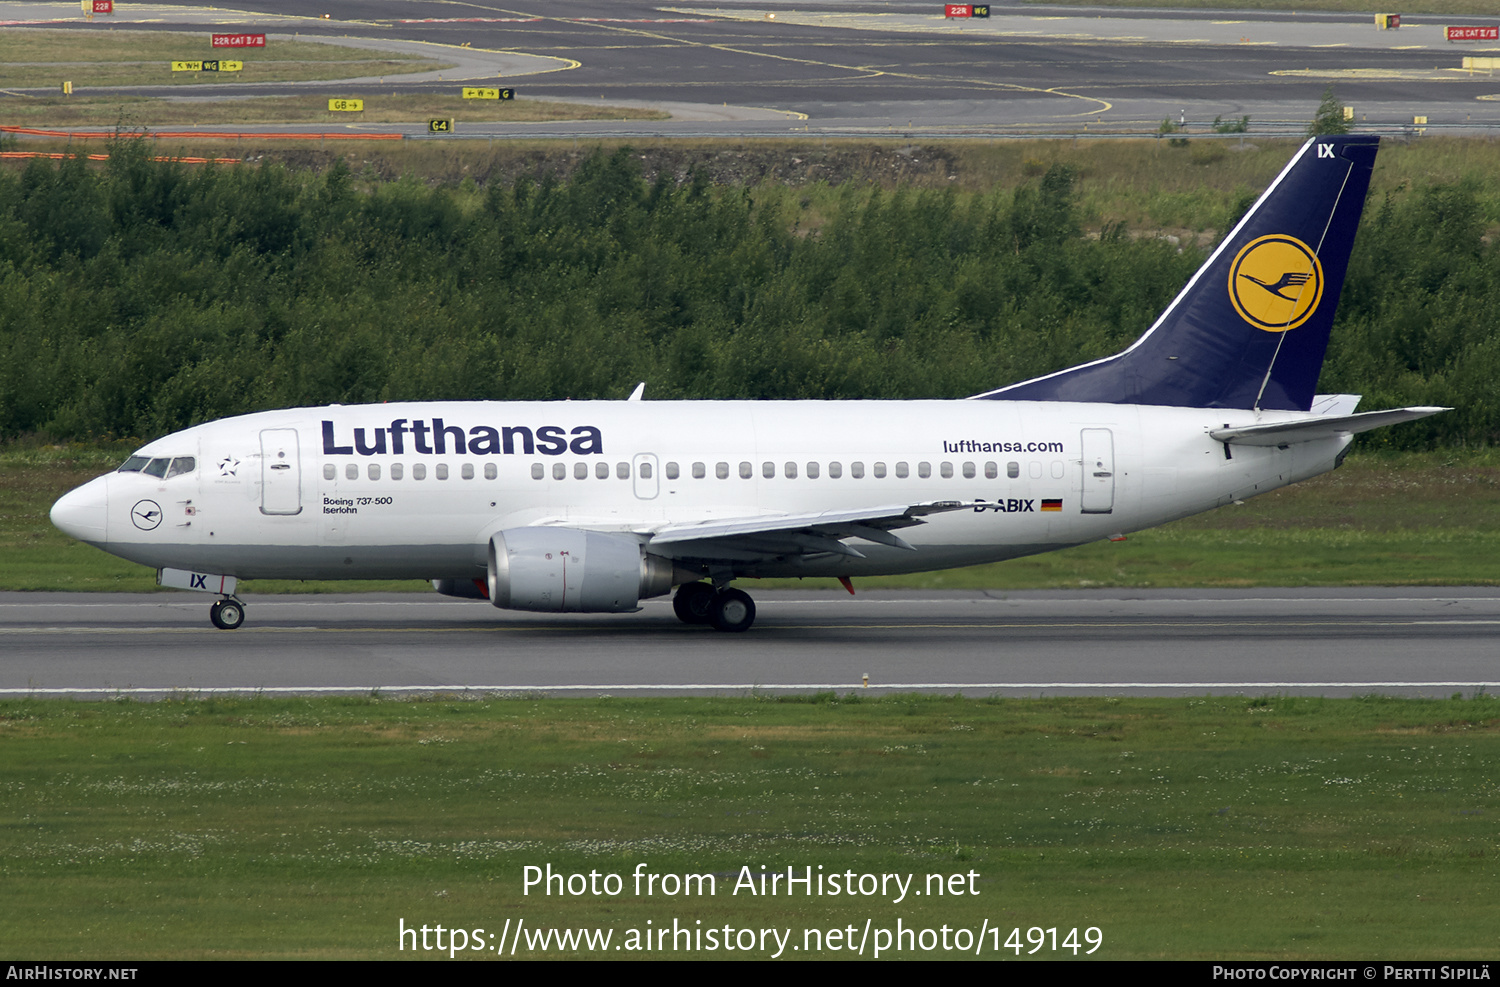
{"type": "Point", "coordinates": [593, 506]}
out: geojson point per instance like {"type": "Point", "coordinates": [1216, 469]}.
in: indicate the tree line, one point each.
{"type": "Point", "coordinates": [141, 297]}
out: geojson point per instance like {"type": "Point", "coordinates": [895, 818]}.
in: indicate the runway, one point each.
{"type": "Point", "coordinates": [841, 68]}
{"type": "Point", "coordinates": [1339, 642]}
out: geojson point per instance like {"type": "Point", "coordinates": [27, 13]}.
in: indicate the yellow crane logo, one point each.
{"type": "Point", "coordinates": [1276, 282]}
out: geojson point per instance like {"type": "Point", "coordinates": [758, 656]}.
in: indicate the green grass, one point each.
{"type": "Point", "coordinates": [1288, 828]}
{"type": "Point", "coordinates": [1147, 185]}
{"type": "Point", "coordinates": [1424, 519]}
{"type": "Point", "coordinates": [130, 111]}
{"type": "Point", "coordinates": [31, 58]}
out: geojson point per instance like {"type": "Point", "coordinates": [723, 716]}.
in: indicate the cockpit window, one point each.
{"type": "Point", "coordinates": [162, 468]}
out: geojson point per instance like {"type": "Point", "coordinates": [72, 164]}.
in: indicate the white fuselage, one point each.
{"type": "Point", "coordinates": [372, 491]}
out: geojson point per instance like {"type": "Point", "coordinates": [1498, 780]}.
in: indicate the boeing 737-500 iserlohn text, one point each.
{"type": "Point", "coordinates": [593, 506]}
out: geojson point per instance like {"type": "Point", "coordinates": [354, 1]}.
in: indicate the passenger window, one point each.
{"type": "Point", "coordinates": [157, 468]}
{"type": "Point", "coordinates": [835, 470]}
{"type": "Point", "coordinates": [946, 469]}
{"type": "Point", "coordinates": [373, 471]}
{"type": "Point", "coordinates": [622, 470]}
{"type": "Point", "coordinates": [746, 471]}
{"type": "Point", "coordinates": [924, 470]}
{"type": "Point", "coordinates": [419, 471]}
{"type": "Point", "coordinates": [672, 472]}
{"type": "Point", "coordinates": [490, 471]}
{"type": "Point", "coordinates": [133, 465]}
{"type": "Point", "coordinates": [791, 471]}
{"type": "Point", "coordinates": [466, 471]}
{"type": "Point", "coordinates": [580, 471]}
{"type": "Point", "coordinates": [768, 470]}
{"type": "Point", "coordinates": [812, 471]}
{"type": "Point", "coordinates": [880, 471]}
{"type": "Point", "coordinates": [1057, 469]}
{"type": "Point", "coordinates": [902, 471]}
{"type": "Point", "coordinates": [396, 473]}
{"type": "Point", "coordinates": [351, 471]}
{"type": "Point", "coordinates": [857, 470]}
{"type": "Point", "coordinates": [538, 471]}
{"type": "Point", "coordinates": [721, 470]}
{"type": "Point", "coordinates": [991, 470]}
{"type": "Point", "coordinates": [559, 471]}
{"type": "Point", "coordinates": [1012, 470]}
{"type": "Point", "coordinates": [969, 471]}
{"type": "Point", "coordinates": [601, 470]}
{"type": "Point", "coordinates": [1035, 469]}
{"type": "Point", "coordinates": [699, 472]}
{"type": "Point", "coordinates": [442, 471]}
{"type": "Point", "coordinates": [330, 471]}
{"type": "Point", "coordinates": [180, 465]}
{"type": "Point", "coordinates": [645, 471]}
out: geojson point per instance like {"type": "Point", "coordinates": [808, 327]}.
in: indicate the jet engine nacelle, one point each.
{"type": "Point", "coordinates": [565, 570]}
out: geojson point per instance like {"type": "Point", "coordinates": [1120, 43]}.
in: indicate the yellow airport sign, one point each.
{"type": "Point", "coordinates": [222, 65]}
{"type": "Point", "coordinates": [440, 126]}
{"type": "Point", "coordinates": [481, 93]}
{"type": "Point", "coordinates": [346, 105]}
{"type": "Point", "coordinates": [187, 66]}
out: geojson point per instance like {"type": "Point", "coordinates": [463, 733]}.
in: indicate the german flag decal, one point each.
{"type": "Point", "coordinates": [1052, 505]}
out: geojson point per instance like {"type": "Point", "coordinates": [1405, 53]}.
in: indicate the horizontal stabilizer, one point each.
{"type": "Point", "coordinates": [1322, 427]}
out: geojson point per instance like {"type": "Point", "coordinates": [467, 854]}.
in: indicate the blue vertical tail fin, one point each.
{"type": "Point", "coordinates": [1250, 328]}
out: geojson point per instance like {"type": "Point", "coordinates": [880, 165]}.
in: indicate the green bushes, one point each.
{"type": "Point", "coordinates": [142, 297]}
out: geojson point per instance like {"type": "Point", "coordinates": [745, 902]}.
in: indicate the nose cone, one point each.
{"type": "Point", "coordinates": [82, 512]}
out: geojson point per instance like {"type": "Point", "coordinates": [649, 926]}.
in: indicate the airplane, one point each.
{"type": "Point", "coordinates": [594, 506]}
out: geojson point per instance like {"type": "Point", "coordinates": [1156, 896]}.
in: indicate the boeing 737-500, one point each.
{"type": "Point", "coordinates": [593, 506]}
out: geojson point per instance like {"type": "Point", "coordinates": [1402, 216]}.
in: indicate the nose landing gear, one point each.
{"type": "Point", "coordinates": [726, 609]}
{"type": "Point", "coordinates": [227, 614]}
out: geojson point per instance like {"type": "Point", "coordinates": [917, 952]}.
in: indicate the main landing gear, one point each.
{"type": "Point", "coordinates": [227, 614]}
{"type": "Point", "coordinates": [726, 609]}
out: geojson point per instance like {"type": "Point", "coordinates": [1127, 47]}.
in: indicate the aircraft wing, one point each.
{"type": "Point", "coordinates": [1321, 427]}
{"type": "Point", "coordinates": [773, 535]}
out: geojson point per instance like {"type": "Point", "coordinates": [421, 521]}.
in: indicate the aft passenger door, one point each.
{"type": "Point", "coordinates": [1098, 495]}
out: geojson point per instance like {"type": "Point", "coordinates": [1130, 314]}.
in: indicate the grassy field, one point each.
{"type": "Point", "coordinates": [1227, 828]}
{"type": "Point", "coordinates": [32, 58]}
{"type": "Point", "coordinates": [1383, 519]}
{"type": "Point", "coordinates": [1149, 186]}
{"type": "Point", "coordinates": [156, 114]}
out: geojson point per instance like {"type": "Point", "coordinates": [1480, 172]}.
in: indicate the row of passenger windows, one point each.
{"type": "Point", "coordinates": [398, 472]}
{"type": "Point", "coordinates": [791, 470]}
{"type": "Point", "coordinates": [746, 470]}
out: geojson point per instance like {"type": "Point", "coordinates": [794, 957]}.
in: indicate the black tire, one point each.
{"type": "Point", "coordinates": [227, 615]}
{"type": "Point", "coordinates": [693, 603]}
{"type": "Point", "coordinates": [733, 611]}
